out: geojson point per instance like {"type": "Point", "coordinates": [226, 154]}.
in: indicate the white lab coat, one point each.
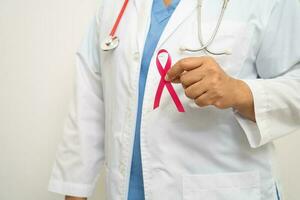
{"type": "Point", "coordinates": [204, 153]}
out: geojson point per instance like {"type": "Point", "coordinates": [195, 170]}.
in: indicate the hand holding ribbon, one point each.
{"type": "Point", "coordinates": [205, 82]}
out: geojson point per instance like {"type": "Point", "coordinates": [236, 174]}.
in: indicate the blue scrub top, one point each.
{"type": "Point", "coordinates": [160, 16]}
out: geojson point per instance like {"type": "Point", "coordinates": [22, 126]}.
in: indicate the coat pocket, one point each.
{"type": "Point", "coordinates": [229, 186]}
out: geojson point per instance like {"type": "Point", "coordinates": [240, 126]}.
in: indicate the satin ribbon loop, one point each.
{"type": "Point", "coordinates": [162, 83]}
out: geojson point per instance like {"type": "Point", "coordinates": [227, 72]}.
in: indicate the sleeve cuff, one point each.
{"type": "Point", "coordinates": [257, 132]}
{"type": "Point", "coordinates": [71, 189]}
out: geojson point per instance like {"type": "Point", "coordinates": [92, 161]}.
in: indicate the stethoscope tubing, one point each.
{"type": "Point", "coordinates": [119, 18]}
{"type": "Point", "coordinates": [204, 46]}
{"type": "Point", "coordinates": [112, 41]}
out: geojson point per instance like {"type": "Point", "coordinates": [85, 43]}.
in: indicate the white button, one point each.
{"type": "Point", "coordinates": [136, 55]}
{"type": "Point", "coordinates": [122, 169]}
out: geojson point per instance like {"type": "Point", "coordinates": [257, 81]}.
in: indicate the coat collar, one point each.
{"type": "Point", "coordinates": [143, 8]}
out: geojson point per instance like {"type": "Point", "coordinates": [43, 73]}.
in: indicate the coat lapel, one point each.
{"type": "Point", "coordinates": [143, 8]}
{"type": "Point", "coordinates": [182, 12]}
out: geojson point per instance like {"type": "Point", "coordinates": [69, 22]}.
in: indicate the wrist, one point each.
{"type": "Point", "coordinates": [242, 95]}
{"type": "Point", "coordinates": [243, 102]}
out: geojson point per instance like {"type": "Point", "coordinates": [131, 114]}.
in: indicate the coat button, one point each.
{"type": "Point", "coordinates": [136, 56]}
{"type": "Point", "coordinates": [122, 169]}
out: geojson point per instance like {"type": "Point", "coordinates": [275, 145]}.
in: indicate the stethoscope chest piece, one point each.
{"type": "Point", "coordinates": [110, 43]}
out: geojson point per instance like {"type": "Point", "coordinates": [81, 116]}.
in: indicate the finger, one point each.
{"type": "Point", "coordinates": [191, 77]}
{"type": "Point", "coordinates": [195, 90]}
{"type": "Point", "coordinates": [182, 65]}
{"type": "Point", "coordinates": [203, 100]}
{"type": "Point", "coordinates": [177, 79]}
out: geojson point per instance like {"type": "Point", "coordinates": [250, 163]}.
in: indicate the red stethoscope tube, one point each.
{"type": "Point", "coordinates": [117, 22]}
{"type": "Point", "coordinates": [112, 41]}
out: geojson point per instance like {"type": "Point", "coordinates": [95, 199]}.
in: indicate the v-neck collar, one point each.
{"type": "Point", "coordinates": [161, 11]}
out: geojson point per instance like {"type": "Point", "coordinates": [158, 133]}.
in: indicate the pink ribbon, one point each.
{"type": "Point", "coordinates": [163, 82]}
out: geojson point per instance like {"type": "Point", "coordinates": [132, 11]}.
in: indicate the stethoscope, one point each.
{"type": "Point", "coordinates": [112, 41]}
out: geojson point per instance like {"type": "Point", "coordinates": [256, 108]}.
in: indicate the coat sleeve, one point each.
{"type": "Point", "coordinates": [80, 155]}
{"type": "Point", "coordinates": [276, 92]}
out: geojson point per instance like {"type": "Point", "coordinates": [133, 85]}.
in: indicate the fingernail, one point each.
{"type": "Point", "coordinates": [167, 78]}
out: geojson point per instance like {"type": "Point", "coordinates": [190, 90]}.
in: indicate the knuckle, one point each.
{"type": "Point", "coordinates": [183, 62]}
{"type": "Point", "coordinates": [219, 104]}
{"type": "Point", "coordinates": [183, 80]}
{"type": "Point", "coordinates": [188, 92]}
{"type": "Point", "coordinates": [208, 102]}
{"type": "Point", "coordinates": [200, 102]}
{"type": "Point", "coordinates": [210, 60]}
{"type": "Point", "coordinates": [220, 95]}
{"type": "Point", "coordinates": [212, 70]}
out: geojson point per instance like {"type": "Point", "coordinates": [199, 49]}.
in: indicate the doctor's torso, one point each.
{"type": "Point", "coordinates": [206, 152]}
{"type": "Point", "coordinates": [183, 154]}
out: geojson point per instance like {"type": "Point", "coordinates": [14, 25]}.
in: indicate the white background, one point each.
{"type": "Point", "coordinates": [38, 40]}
